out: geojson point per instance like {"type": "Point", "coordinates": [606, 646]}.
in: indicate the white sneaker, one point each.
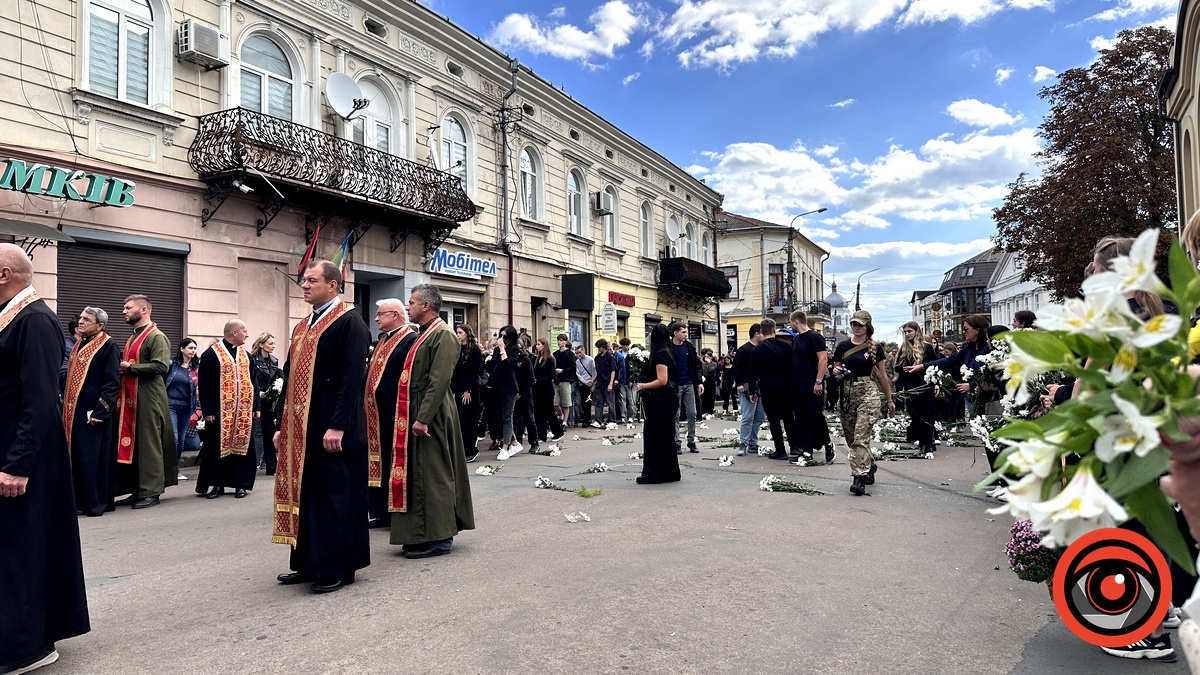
{"type": "Point", "coordinates": [514, 449]}
{"type": "Point", "coordinates": [1173, 620]}
{"type": "Point", "coordinates": [595, 425]}
{"type": "Point", "coordinates": [503, 455]}
{"type": "Point", "coordinates": [44, 661]}
{"type": "Point", "coordinates": [181, 477]}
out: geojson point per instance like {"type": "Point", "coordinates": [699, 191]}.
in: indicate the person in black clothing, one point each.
{"type": "Point", "coordinates": [524, 422]}
{"type": "Point", "coordinates": [506, 358]}
{"type": "Point", "coordinates": [604, 390]}
{"type": "Point", "coordinates": [809, 357]}
{"type": "Point", "coordinates": [975, 329]}
{"type": "Point", "coordinates": [921, 404]}
{"type": "Point", "coordinates": [464, 385]}
{"type": "Point", "coordinates": [748, 400]}
{"type": "Point", "coordinates": [549, 426]}
{"type": "Point", "coordinates": [688, 378]}
{"type": "Point", "coordinates": [728, 386]}
{"type": "Point", "coordinates": [710, 371]}
{"type": "Point", "coordinates": [264, 367]}
{"type": "Point", "coordinates": [771, 369]}
{"type": "Point", "coordinates": [564, 381]}
{"type": "Point", "coordinates": [660, 399]}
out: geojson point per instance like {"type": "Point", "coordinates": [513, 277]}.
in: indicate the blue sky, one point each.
{"type": "Point", "coordinates": [905, 118]}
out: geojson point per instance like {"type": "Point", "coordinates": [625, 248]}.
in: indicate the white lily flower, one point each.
{"type": "Point", "coordinates": [606, 442]}
{"type": "Point", "coordinates": [1136, 270]}
{"type": "Point", "coordinates": [575, 437]}
{"type": "Point", "coordinates": [554, 447]}
{"type": "Point", "coordinates": [1123, 364]}
{"type": "Point", "coordinates": [584, 517]}
{"type": "Point", "coordinates": [1158, 329]}
{"type": "Point", "coordinates": [555, 452]}
{"type": "Point", "coordinates": [1095, 316]}
{"type": "Point", "coordinates": [635, 455]}
{"type": "Point", "coordinates": [767, 484]}
{"type": "Point", "coordinates": [1019, 368]}
{"type": "Point", "coordinates": [1019, 496]}
{"type": "Point", "coordinates": [1082, 506]}
{"type": "Point", "coordinates": [637, 435]}
{"type": "Point", "coordinates": [571, 518]}
{"type": "Point", "coordinates": [1035, 456]}
{"type": "Point", "coordinates": [725, 460]}
{"type": "Point", "coordinates": [1129, 431]}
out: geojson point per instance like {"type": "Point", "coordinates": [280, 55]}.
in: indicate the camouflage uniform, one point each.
{"type": "Point", "coordinates": [860, 411]}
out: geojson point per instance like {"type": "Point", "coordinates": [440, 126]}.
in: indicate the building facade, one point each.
{"type": "Point", "coordinates": [772, 270]}
{"type": "Point", "coordinates": [965, 290]}
{"type": "Point", "coordinates": [194, 151]}
{"type": "Point", "coordinates": [1181, 104]}
{"type": "Point", "coordinates": [1010, 295]}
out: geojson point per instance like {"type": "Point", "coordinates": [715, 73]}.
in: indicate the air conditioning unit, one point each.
{"type": "Point", "coordinates": [604, 204]}
{"type": "Point", "coordinates": [673, 250]}
{"type": "Point", "coordinates": [203, 44]}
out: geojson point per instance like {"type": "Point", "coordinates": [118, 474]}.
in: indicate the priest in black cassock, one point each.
{"type": "Point", "coordinates": [322, 440]}
{"type": "Point", "coordinates": [383, 381]}
{"type": "Point", "coordinates": [41, 571]}
{"type": "Point", "coordinates": [89, 399]}
{"type": "Point", "coordinates": [229, 402]}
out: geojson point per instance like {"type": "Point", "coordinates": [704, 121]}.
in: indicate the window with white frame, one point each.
{"type": "Point", "coordinates": [119, 43]}
{"type": "Point", "coordinates": [705, 248]}
{"type": "Point", "coordinates": [612, 222]}
{"type": "Point", "coordinates": [575, 205]}
{"type": "Point", "coordinates": [456, 157]}
{"type": "Point", "coordinates": [689, 241]}
{"type": "Point", "coordinates": [731, 275]}
{"type": "Point", "coordinates": [377, 125]}
{"type": "Point", "coordinates": [531, 185]}
{"type": "Point", "coordinates": [266, 78]}
{"type": "Point", "coordinates": [647, 230]}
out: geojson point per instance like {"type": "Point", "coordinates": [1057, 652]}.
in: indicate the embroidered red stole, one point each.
{"type": "Point", "coordinates": [302, 359]}
{"type": "Point", "coordinates": [77, 369]}
{"type": "Point", "coordinates": [379, 358]}
{"type": "Point", "coordinates": [12, 312]}
{"type": "Point", "coordinates": [398, 495]}
{"type": "Point", "coordinates": [127, 404]}
{"type": "Point", "coordinates": [237, 400]}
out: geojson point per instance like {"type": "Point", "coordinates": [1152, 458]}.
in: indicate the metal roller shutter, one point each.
{"type": "Point", "coordinates": [103, 276]}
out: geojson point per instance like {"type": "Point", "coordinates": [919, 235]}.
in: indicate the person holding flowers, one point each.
{"type": "Point", "coordinates": [660, 397]}
{"type": "Point", "coordinates": [975, 331]}
{"type": "Point", "coordinates": [919, 398]}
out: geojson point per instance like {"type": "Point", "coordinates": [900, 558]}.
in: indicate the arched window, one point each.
{"type": "Point", "coordinates": [119, 35]}
{"type": "Point", "coordinates": [689, 241]}
{"type": "Point", "coordinates": [456, 156]}
{"type": "Point", "coordinates": [612, 222]}
{"type": "Point", "coordinates": [378, 125]}
{"type": "Point", "coordinates": [575, 190]}
{"type": "Point", "coordinates": [705, 249]}
{"type": "Point", "coordinates": [647, 230]}
{"type": "Point", "coordinates": [531, 185]}
{"type": "Point", "coordinates": [266, 78]}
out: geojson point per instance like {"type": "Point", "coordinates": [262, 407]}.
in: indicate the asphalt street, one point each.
{"type": "Point", "coordinates": [708, 575]}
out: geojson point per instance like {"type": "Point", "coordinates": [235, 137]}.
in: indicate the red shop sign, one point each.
{"type": "Point", "coordinates": [622, 299]}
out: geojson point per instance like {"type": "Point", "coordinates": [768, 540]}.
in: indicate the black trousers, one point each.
{"type": "Point", "coordinates": [468, 420]}
{"type": "Point", "coordinates": [543, 410]}
{"type": "Point", "coordinates": [809, 410]}
{"type": "Point", "coordinates": [777, 404]}
{"type": "Point", "coordinates": [583, 416]}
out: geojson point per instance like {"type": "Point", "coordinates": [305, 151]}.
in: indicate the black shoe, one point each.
{"type": "Point", "coordinates": [126, 501]}
{"type": "Point", "coordinates": [869, 479]}
{"type": "Point", "coordinates": [534, 448]}
{"type": "Point", "coordinates": [645, 480]}
{"type": "Point", "coordinates": [331, 585]}
{"type": "Point", "coordinates": [377, 523]}
{"type": "Point", "coordinates": [692, 447]}
{"type": "Point", "coordinates": [678, 451]}
{"type": "Point", "coordinates": [779, 454]}
{"type": "Point", "coordinates": [239, 493]}
{"type": "Point", "coordinates": [215, 492]}
{"type": "Point", "coordinates": [292, 578]}
{"type": "Point", "coordinates": [1150, 648]}
{"type": "Point", "coordinates": [427, 552]}
{"type": "Point", "coordinates": [857, 488]}
{"type": "Point", "coordinates": [146, 502]}
{"type": "Point", "coordinates": [829, 453]}
{"type": "Point", "coordinates": [32, 663]}
{"type": "Point", "coordinates": [269, 472]}
{"type": "Point", "coordinates": [472, 457]}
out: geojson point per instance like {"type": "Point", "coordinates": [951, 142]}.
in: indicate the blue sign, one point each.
{"type": "Point", "coordinates": [461, 265]}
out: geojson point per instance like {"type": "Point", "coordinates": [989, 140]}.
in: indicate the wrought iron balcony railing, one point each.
{"type": "Point", "coordinates": [818, 308]}
{"type": "Point", "coordinates": [230, 142]}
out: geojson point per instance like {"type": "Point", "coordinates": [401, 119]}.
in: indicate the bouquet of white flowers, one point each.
{"type": "Point", "coordinates": [637, 362]}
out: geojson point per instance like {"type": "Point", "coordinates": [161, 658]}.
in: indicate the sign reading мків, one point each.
{"type": "Point", "coordinates": [55, 181]}
{"type": "Point", "coordinates": [461, 264]}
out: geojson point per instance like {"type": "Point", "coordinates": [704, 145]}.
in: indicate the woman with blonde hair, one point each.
{"type": "Point", "coordinates": [265, 368]}
{"type": "Point", "coordinates": [919, 398]}
{"type": "Point", "coordinates": [1143, 304]}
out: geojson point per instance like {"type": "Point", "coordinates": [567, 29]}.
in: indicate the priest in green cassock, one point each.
{"type": "Point", "coordinates": [430, 489]}
{"type": "Point", "coordinates": [41, 569]}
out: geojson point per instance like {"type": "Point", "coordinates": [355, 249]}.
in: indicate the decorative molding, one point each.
{"type": "Point", "coordinates": [551, 121]}
{"type": "Point", "coordinates": [533, 224]}
{"type": "Point", "coordinates": [646, 194]}
{"type": "Point", "coordinates": [580, 239]}
{"type": "Point", "coordinates": [659, 180]}
{"type": "Point", "coordinates": [614, 252]}
{"type": "Point", "coordinates": [333, 8]}
{"type": "Point", "coordinates": [611, 176]}
{"type": "Point", "coordinates": [577, 158]}
{"type": "Point", "coordinates": [592, 144]}
{"type": "Point", "coordinates": [627, 164]}
{"type": "Point", "coordinates": [419, 50]}
{"type": "Point", "coordinates": [446, 93]}
{"type": "Point", "coordinates": [87, 102]}
{"type": "Point", "coordinates": [491, 89]}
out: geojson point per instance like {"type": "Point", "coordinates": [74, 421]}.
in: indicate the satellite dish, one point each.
{"type": "Point", "coordinates": [343, 95]}
{"type": "Point", "coordinates": [673, 231]}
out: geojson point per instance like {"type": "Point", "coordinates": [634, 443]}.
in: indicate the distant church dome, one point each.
{"type": "Point", "coordinates": [835, 299]}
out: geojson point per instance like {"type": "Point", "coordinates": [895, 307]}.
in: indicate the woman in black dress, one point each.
{"type": "Point", "coordinates": [265, 368]}
{"type": "Point", "coordinates": [920, 405]}
{"type": "Point", "coordinates": [464, 384]}
{"type": "Point", "coordinates": [549, 426]}
{"type": "Point", "coordinates": [660, 398]}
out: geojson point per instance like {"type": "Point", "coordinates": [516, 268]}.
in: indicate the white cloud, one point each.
{"type": "Point", "coordinates": [557, 13]}
{"type": "Point", "coordinates": [629, 78]}
{"type": "Point", "coordinates": [1128, 8]}
{"type": "Point", "coordinates": [612, 25]}
{"type": "Point", "coordinates": [1003, 74]}
{"type": "Point", "coordinates": [825, 151]}
{"type": "Point", "coordinates": [1042, 73]}
{"type": "Point", "coordinates": [647, 49]}
{"type": "Point", "coordinates": [722, 33]}
{"type": "Point", "coordinates": [845, 103]}
{"type": "Point", "coordinates": [979, 114]}
{"type": "Point", "coordinates": [909, 250]}
{"type": "Point", "coordinates": [1100, 43]}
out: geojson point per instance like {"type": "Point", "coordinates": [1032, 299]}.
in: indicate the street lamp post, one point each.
{"type": "Point", "coordinates": [791, 282]}
{"type": "Point", "coordinates": [858, 288]}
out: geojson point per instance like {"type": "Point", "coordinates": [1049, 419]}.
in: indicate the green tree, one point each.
{"type": "Point", "coordinates": [1108, 164]}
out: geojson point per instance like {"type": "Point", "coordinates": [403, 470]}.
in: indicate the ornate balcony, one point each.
{"type": "Point", "coordinates": [328, 175]}
{"type": "Point", "coordinates": [690, 284]}
{"type": "Point", "coordinates": [819, 310]}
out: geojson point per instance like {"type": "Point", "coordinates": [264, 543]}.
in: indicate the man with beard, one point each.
{"type": "Point", "coordinates": [322, 440]}
{"type": "Point", "coordinates": [41, 570]}
{"type": "Point", "coordinates": [383, 382]}
{"type": "Point", "coordinates": [430, 495]}
{"type": "Point", "coordinates": [146, 457]}
{"type": "Point", "coordinates": [89, 399]}
{"type": "Point", "coordinates": [230, 403]}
